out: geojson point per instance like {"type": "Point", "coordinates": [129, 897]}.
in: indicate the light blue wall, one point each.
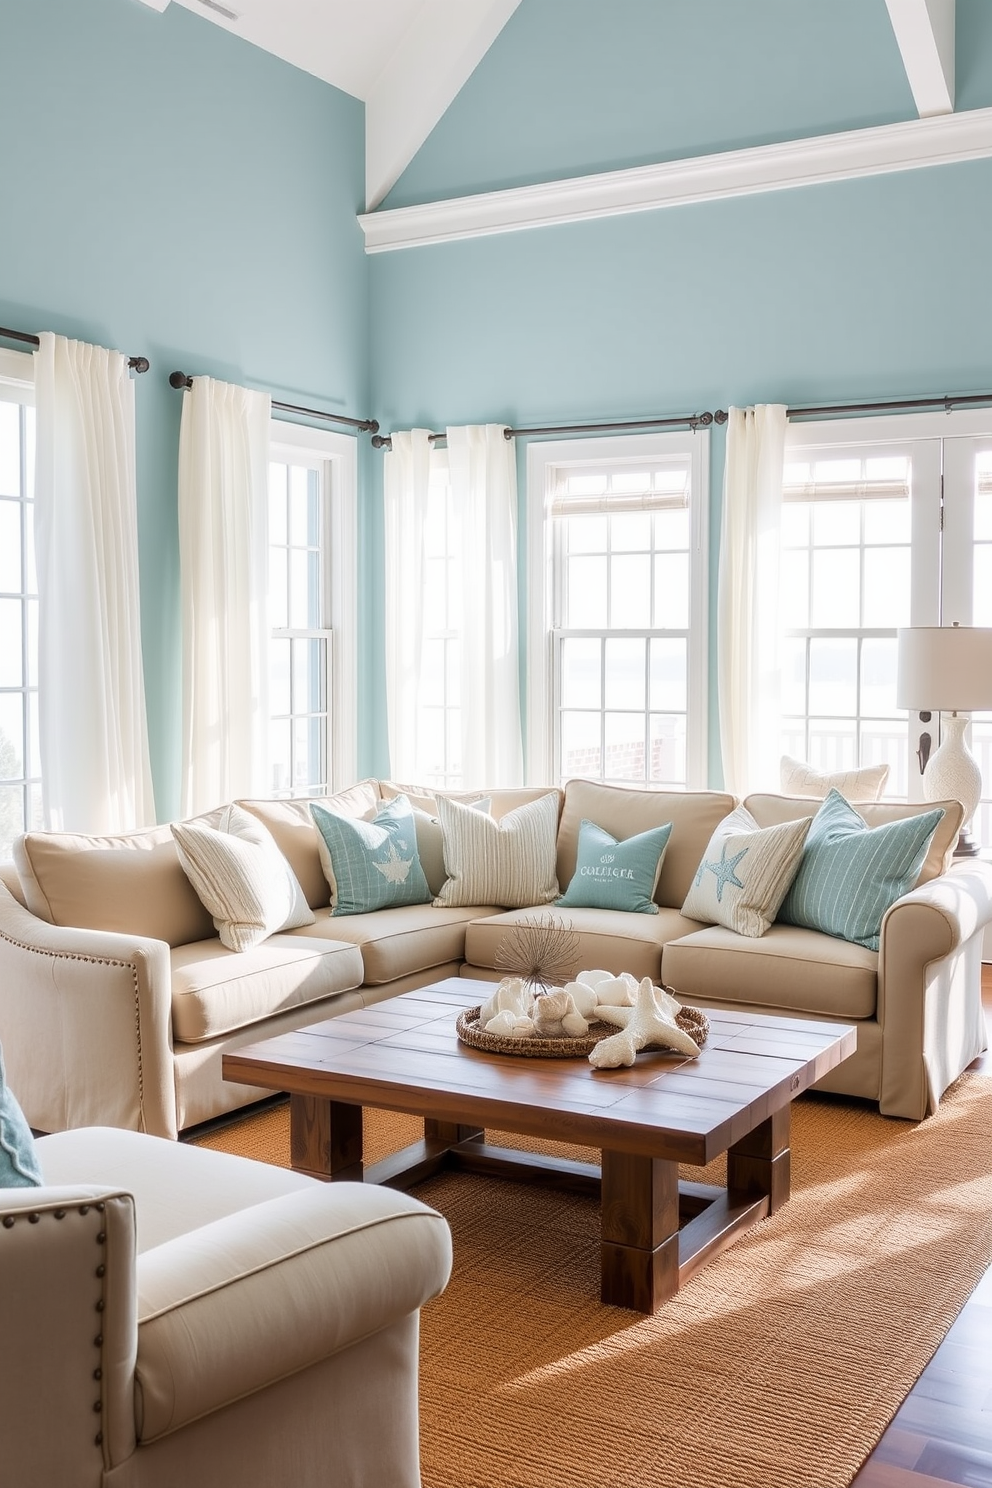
{"type": "Point", "coordinates": [863, 289]}
{"type": "Point", "coordinates": [170, 189]}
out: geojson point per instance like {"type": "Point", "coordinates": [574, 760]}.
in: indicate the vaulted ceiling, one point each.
{"type": "Point", "coordinates": [407, 59]}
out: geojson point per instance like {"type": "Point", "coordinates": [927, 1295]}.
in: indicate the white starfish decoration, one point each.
{"type": "Point", "coordinates": [650, 1021]}
{"type": "Point", "coordinates": [395, 868]}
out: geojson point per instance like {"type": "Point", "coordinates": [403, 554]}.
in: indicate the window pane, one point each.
{"type": "Point", "coordinates": [585, 534]}
{"type": "Point", "coordinates": [10, 643]}
{"type": "Point", "coordinates": [836, 522]}
{"type": "Point", "coordinates": [887, 522]}
{"type": "Point", "coordinates": [624, 746]}
{"type": "Point", "coordinates": [884, 741]}
{"type": "Point", "coordinates": [585, 593]}
{"type": "Point", "coordinates": [280, 733]}
{"type": "Point", "coordinates": [671, 529]}
{"type": "Point", "coordinates": [299, 589]}
{"type": "Point", "coordinates": [668, 676]}
{"type": "Point", "coordinates": [581, 683]}
{"type": "Point", "coordinates": [308, 676]}
{"type": "Point", "coordinates": [10, 545]}
{"type": "Point", "coordinates": [11, 816]}
{"type": "Point", "coordinates": [630, 532]}
{"type": "Point", "coordinates": [794, 584]}
{"type": "Point", "coordinates": [301, 753]}
{"type": "Point", "coordinates": [795, 523]}
{"type": "Point", "coordinates": [630, 602]}
{"type": "Point", "coordinates": [300, 505]}
{"type": "Point", "coordinates": [887, 591]}
{"type": "Point", "coordinates": [833, 677]}
{"type": "Point", "coordinates": [436, 595]}
{"type": "Point", "coordinates": [625, 678]}
{"type": "Point", "coordinates": [833, 746]}
{"type": "Point", "coordinates": [11, 736]}
{"type": "Point", "coordinates": [982, 609]}
{"type": "Point", "coordinates": [432, 674]}
{"type": "Point", "coordinates": [878, 680]}
{"type": "Point", "coordinates": [667, 744]}
{"type": "Point", "coordinates": [278, 589]}
{"type": "Point", "coordinates": [31, 611]}
{"type": "Point", "coordinates": [671, 591]}
{"type": "Point", "coordinates": [626, 481]}
{"type": "Point", "coordinates": [430, 744]}
{"type": "Point", "coordinates": [983, 516]}
{"type": "Point", "coordinates": [34, 735]}
{"type": "Point", "coordinates": [277, 504]}
{"type": "Point", "coordinates": [836, 584]}
{"type": "Point", "coordinates": [793, 676]}
{"type": "Point", "coordinates": [580, 744]}
{"type": "Point", "coordinates": [10, 450]}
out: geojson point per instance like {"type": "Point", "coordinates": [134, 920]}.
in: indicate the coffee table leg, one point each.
{"type": "Point", "coordinates": [325, 1138]}
{"type": "Point", "coordinates": [640, 1231]}
{"type": "Point", "coordinates": [761, 1161]}
{"type": "Point", "coordinates": [451, 1132]}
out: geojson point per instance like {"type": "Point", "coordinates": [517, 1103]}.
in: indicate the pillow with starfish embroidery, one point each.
{"type": "Point", "coordinates": [745, 873]}
{"type": "Point", "coordinates": [371, 864]}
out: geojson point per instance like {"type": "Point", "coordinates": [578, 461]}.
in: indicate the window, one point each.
{"type": "Point", "coordinates": [311, 611]}
{"type": "Point", "coordinates": [617, 668]}
{"type": "Point", "coordinates": [20, 770]}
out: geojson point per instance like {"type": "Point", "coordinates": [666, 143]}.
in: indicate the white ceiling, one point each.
{"type": "Point", "coordinates": [407, 59]}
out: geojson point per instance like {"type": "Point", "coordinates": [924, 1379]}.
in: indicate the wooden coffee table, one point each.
{"type": "Point", "coordinates": [404, 1055]}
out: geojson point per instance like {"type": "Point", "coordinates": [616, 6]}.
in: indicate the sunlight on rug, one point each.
{"type": "Point", "coordinates": [780, 1363]}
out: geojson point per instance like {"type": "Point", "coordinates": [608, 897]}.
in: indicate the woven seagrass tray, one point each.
{"type": "Point", "coordinates": [470, 1031]}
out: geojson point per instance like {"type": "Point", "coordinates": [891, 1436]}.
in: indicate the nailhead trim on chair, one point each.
{"type": "Point", "coordinates": [34, 1217]}
{"type": "Point", "coordinates": [98, 961]}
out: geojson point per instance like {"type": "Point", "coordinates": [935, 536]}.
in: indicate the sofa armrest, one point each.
{"type": "Point", "coordinates": [67, 1298]}
{"type": "Point", "coordinates": [241, 1303]}
{"type": "Point", "coordinates": [86, 1024]}
{"type": "Point", "coordinates": [929, 987]}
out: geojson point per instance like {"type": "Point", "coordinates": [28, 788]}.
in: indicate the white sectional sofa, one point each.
{"type": "Point", "coordinates": [117, 999]}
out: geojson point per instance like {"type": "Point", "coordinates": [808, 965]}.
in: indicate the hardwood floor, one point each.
{"type": "Point", "coordinates": [941, 1436]}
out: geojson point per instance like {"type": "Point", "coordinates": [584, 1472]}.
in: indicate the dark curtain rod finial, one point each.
{"type": "Point", "coordinates": [180, 380]}
{"type": "Point", "coordinates": [138, 363]}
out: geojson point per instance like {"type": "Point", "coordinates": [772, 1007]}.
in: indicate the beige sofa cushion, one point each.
{"type": "Point", "coordinates": [132, 884]}
{"type": "Point", "coordinates": [291, 824]}
{"type": "Point", "coordinates": [769, 810]}
{"type": "Point", "coordinates": [608, 939]}
{"type": "Point", "coordinates": [500, 801]}
{"type": "Point", "coordinates": [402, 941]}
{"type": "Point", "coordinates": [788, 969]}
{"type": "Point", "coordinates": [625, 811]}
{"type": "Point", "coordinates": [215, 990]}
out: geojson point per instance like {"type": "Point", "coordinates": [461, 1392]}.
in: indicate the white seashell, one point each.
{"type": "Point", "coordinates": [583, 996]}
{"type": "Point", "coordinates": [617, 992]}
{"type": "Point", "coordinates": [592, 978]}
{"type": "Point", "coordinates": [510, 996]}
{"type": "Point", "coordinates": [574, 1025]}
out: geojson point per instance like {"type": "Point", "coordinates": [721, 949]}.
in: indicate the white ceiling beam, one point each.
{"type": "Point", "coordinates": [925, 34]}
{"type": "Point", "coordinates": [421, 76]}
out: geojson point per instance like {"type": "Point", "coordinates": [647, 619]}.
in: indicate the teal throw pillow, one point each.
{"type": "Point", "coordinates": [19, 1166]}
{"type": "Point", "coordinates": [616, 875]}
{"type": "Point", "coordinates": [851, 873]}
{"type": "Point", "coordinates": [371, 864]}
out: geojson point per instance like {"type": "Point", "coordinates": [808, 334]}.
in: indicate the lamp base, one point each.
{"type": "Point", "coordinates": [952, 774]}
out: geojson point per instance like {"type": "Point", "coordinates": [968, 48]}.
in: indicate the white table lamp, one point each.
{"type": "Point", "coordinates": [948, 669]}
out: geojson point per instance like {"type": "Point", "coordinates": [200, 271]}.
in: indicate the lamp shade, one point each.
{"type": "Point", "coordinates": [945, 668]}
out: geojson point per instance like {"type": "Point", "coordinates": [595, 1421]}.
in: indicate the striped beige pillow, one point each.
{"type": "Point", "coordinates": [510, 862]}
{"type": "Point", "coordinates": [745, 873]}
{"type": "Point", "coordinates": [241, 878]}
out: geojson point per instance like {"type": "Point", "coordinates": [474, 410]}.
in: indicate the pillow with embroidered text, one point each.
{"type": "Point", "coordinates": [613, 873]}
{"type": "Point", "coordinates": [851, 873]}
{"type": "Point", "coordinates": [371, 864]}
{"type": "Point", "coordinates": [745, 873]}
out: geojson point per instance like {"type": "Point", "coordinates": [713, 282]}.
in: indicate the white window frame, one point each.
{"type": "Point", "coordinates": [544, 460]}
{"type": "Point", "coordinates": [337, 454]}
{"type": "Point", "coordinates": [17, 386]}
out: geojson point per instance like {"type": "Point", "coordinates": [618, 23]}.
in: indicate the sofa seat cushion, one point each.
{"type": "Point", "coordinates": [215, 991]}
{"type": "Point", "coordinates": [401, 941]}
{"type": "Point", "coordinates": [788, 968]}
{"type": "Point", "coordinates": [609, 939]}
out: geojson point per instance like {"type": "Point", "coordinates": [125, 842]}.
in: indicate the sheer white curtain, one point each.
{"type": "Point", "coordinates": [481, 471]}
{"type": "Point", "coordinates": [92, 724]}
{"type": "Point", "coordinates": [406, 483]}
{"type": "Point", "coordinates": [748, 635]}
{"type": "Point", "coordinates": [223, 555]}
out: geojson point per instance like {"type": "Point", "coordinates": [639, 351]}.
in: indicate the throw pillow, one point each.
{"type": "Point", "coordinates": [430, 842]}
{"type": "Point", "coordinates": [850, 873]}
{"type": "Point", "coordinates": [510, 862]}
{"type": "Point", "coordinates": [745, 873]}
{"type": "Point", "coordinates": [19, 1166]}
{"type": "Point", "coordinates": [613, 873]}
{"type": "Point", "coordinates": [865, 784]}
{"type": "Point", "coordinates": [241, 878]}
{"type": "Point", "coordinates": [371, 864]}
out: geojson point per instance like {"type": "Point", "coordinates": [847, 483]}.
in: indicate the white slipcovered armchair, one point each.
{"type": "Point", "coordinates": [173, 1315]}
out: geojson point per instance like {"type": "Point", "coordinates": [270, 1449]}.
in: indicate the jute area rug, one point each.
{"type": "Point", "coordinates": [779, 1364]}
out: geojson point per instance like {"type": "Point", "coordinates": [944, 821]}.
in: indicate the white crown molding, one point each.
{"type": "Point", "coordinates": [943, 140]}
{"type": "Point", "coordinates": [925, 34]}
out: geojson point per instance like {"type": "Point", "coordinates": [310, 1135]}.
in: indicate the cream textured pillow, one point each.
{"type": "Point", "coordinates": [510, 862]}
{"type": "Point", "coordinates": [241, 878]}
{"type": "Point", "coordinates": [865, 784]}
{"type": "Point", "coordinates": [745, 873]}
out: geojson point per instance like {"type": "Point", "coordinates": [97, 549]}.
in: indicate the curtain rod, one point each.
{"type": "Point", "coordinates": [368, 426]}
{"type": "Point", "coordinates": [892, 405]}
{"type": "Point", "coordinates": [136, 363]}
{"type": "Point", "coordinates": [684, 421]}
